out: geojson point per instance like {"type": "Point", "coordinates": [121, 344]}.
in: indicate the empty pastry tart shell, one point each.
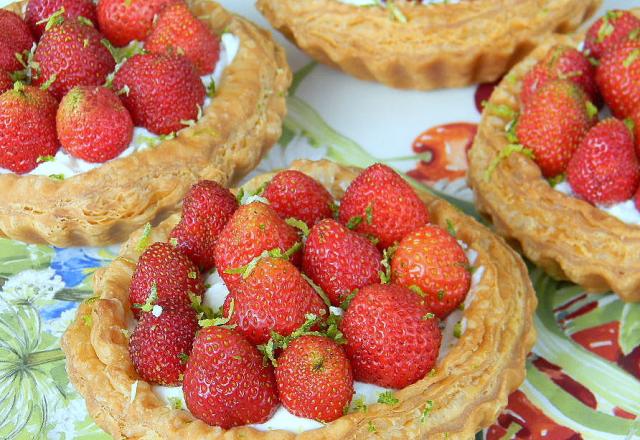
{"type": "Point", "coordinates": [440, 45]}
{"type": "Point", "coordinates": [106, 204]}
{"type": "Point", "coordinates": [568, 237]}
{"type": "Point", "coordinates": [468, 390]}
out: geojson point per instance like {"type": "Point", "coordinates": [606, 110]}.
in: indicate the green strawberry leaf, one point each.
{"type": "Point", "coordinates": [629, 337]}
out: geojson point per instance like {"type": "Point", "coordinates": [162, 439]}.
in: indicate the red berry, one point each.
{"type": "Point", "coordinates": [605, 169]}
{"type": "Point", "coordinates": [432, 262]}
{"type": "Point", "coordinates": [253, 229]}
{"type": "Point", "coordinates": [553, 125]}
{"type": "Point", "coordinates": [226, 382]}
{"type": "Point", "coordinates": [293, 194]}
{"type": "Point", "coordinates": [161, 91]}
{"type": "Point", "coordinates": [6, 83]}
{"type": "Point", "coordinates": [160, 345]}
{"type": "Point", "coordinates": [274, 297]}
{"type": "Point", "coordinates": [314, 378]}
{"type": "Point", "coordinates": [39, 11]}
{"type": "Point", "coordinates": [608, 31]}
{"type": "Point", "coordinates": [383, 205]}
{"type": "Point", "coordinates": [164, 276]}
{"type": "Point", "coordinates": [618, 77]}
{"type": "Point", "coordinates": [123, 21]}
{"type": "Point", "coordinates": [635, 118]}
{"type": "Point", "coordinates": [206, 208]}
{"type": "Point", "coordinates": [340, 260]}
{"type": "Point", "coordinates": [177, 31]}
{"type": "Point", "coordinates": [28, 127]}
{"type": "Point", "coordinates": [72, 54]}
{"type": "Point", "coordinates": [93, 125]}
{"type": "Point", "coordinates": [392, 340]}
{"type": "Point", "coordinates": [15, 37]}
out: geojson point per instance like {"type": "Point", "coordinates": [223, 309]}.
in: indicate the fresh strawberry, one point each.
{"type": "Point", "coordinates": [561, 62]}
{"type": "Point", "coordinates": [28, 121]}
{"type": "Point", "coordinates": [15, 38]}
{"type": "Point", "coordinates": [393, 339]}
{"type": "Point", "coordinates": [293, 194]}
{"type": "Point", "coordinates": [605, 169]}
{"type": "Point", "coordinates": [71, 54]}
{"type": "Point", "coordinates": [226, 382]}
{"type": "Point", "coordinates": [161, 92]}
{"type": "Point", "coordinates": [6, 83]}
{"type": "Point", "coordinates": [39, 11]}
{"type": "Point", "coordinates": [206, 208]}
{"type": "Point", "coordinates": [314, 378]}
{"type": "Point", "coordinates": [554, 123]}
{"type": "Point", "coordinates": [252, 230]}
{"type": "Point", "coordinates": [380, 203]}
{"type": "Point", "coordinates": [608, 31]}
{"type": "Point", "coordinates": [161, 344]}
{"type": "Point", "coordinates": [274, 297]}
{"type": "Point", "coordinates": [164, 276]}
{"type": "Point", "coordinates": [123, 21]}
{"type": "Point", "coordinates": [340, 260]}
{"type": "Point", "coordinates": [92, 124]}
{"type": "Point", "coordinates": [431, 262]}
{"type": "Point", "coordinates": [177, 31]}
{"type": "Point", "coordinates": [635, 119]}
{"type": "Point", "coordinates": [618, 77]}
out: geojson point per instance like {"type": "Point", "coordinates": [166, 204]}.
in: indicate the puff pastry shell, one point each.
{"type": "Point", "coordinates": [469, 388]}
{"type": "Point", "coordinates": [441, 45]}
{"type": "Point", "coordinates": [106, 204]}
{"type": "Point", "coordinates": [568, 237]}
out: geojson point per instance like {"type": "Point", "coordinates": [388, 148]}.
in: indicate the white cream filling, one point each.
{"type": "Point", "coordinates": [67, 166]}
{"type": "Point", "coordinates": [624, 211]}
{"type": "Point", "coordinates": [214, 297]}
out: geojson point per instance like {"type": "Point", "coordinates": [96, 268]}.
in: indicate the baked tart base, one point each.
{"type": "Point", "coordinates": [469, 388]}
{"type": "Point", "coordinates": [567, 237]}
{"type": "Point", "coordinates": [440, 45]}
{"type": "Point", "coordinates": [106, 204]}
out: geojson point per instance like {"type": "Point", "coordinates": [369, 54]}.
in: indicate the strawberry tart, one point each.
{"type": "Point", "coordinates": [556, 162]}
{"type": "Point", "coordinates": [317, 302]}
{"type": "Point", "coordinates": [111, 111]}
{"type": "Point", "coordinates": [423, 44]}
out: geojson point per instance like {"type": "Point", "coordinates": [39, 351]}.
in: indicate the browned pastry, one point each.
{"type": "Point", "coordinates": [106, 204]}
{"type": "Point", "coordinates": [440, 45]}
{"type": "Point", "coordinates": [568, 237]}
{"type": "Point", "coordinates": [469, 388]}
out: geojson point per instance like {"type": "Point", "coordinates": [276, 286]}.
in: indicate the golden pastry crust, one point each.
{"type": "Point", "coordinates": [470, 387]}
{"type": "Point", "coordinates": [106, 204]}
{"type": "Point", "coordinates": [441, 45]}
{"type": "Point", "coordinates": [568, 237]}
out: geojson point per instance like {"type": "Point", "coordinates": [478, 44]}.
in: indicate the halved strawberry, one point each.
{"type": "Point", "coordinates": [15, 38]}
{"type": "Point", "coordinates": [608, 31]}
{"type": "Point", "coordinates": [39, 11]}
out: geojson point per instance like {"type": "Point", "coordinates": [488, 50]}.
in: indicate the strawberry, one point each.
{"type": "Point", "coordinates": [274, 297]}
{"type": "Point", "coordinates": [635, 119]}
{"type": "Point", "coordinates": [252, 230]}
{"type": "Point", "coordinates": [163, 276]}
{"type": "Point", "coordinates": [314, 378]}
{"type": "Point", "coordinates": [206, 208]}
{"type": "Point", "coordinates": [6, 83]}
{"type": "Point", "coordinates": [28, 121]}
{"type": "Point", "coordinates": [123, 21]}
{"type": "Point", "coordinates": [293, 194]}
{"type": "Point", "coordinates": [340, 260]}
{"type": "Point", "coordinates": [393, 339]}
{"type": "Point", "coordinates": [561, 62]}
{"type": "Point", "coordinates": [605, 169]}
{"type": "Point", "coordinates": [161, 343]}
{"type": "Point", "coordinates": [92, 124]}
{"type": "Point", "coordinates": [161, 92]}
{"type": "Point", "coordinates": [554, 123]}
{"type": "Point", "coordinates": [177, 31]}
{"type": "Point", "coordinates": [608, 31]}
{"type": "Point", "coordinates": [380, 203]}
{"type": "Point", "coordinates": [432, 263]}
{"type": "Point", "coordinates": [226, 383]}
{"type": "Point", "coordinates": [15, 38]}
{"type": "Point", "coordinates": [71, 54]}
{"type": "Point", "coordinates": [39, 11]}
{"type": "Point", "coordinates": [618, 77]}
